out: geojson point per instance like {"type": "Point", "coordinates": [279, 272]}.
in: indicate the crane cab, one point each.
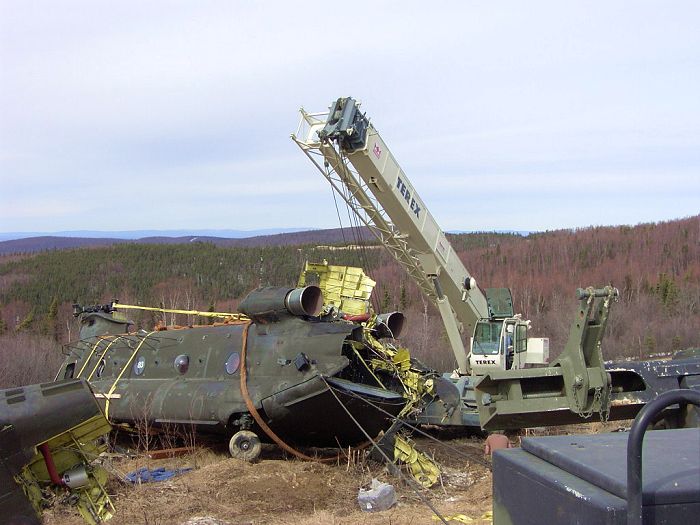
{"type": "Point", "coordinates": [500, 341]}
{"type": "Point", "coordinates": [503, 344]}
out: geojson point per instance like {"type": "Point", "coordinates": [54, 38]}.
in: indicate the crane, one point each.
{"type": "Point", "coordinates": [354, 158]}
{"type": "Point", "coordinates": [347, 149]}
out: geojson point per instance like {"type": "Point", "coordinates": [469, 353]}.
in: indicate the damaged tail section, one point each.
{"type": "Point", "coordinates": [50, 435]}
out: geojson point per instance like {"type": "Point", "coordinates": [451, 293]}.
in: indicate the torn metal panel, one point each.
{"type": "Point", "coordinates": [50, 436]}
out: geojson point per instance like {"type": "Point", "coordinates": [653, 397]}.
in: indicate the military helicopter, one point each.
{"type": "Point", "coordinates": [289, 364]}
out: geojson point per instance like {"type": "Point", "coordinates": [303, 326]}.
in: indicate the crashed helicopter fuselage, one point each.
{"type": "Point", "coordinates": [306, 376]}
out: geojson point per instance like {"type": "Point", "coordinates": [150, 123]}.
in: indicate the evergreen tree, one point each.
{"type": "Point", "coordinates": [210, 320]}
{"type": "Point", "coordinates": [48, 326]}
{"type": "Point", "coordinates": [386, 301]}
{"type": "Point", "coordinates": [27, 322]}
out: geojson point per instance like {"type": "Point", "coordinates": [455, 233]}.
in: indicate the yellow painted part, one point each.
{"type": "Point", "coordinates": [104, 352]}
{"type": "Point", "coordinates": [87, 360]}
{"type": "Point", "coordinates": [369, 369]}
{"type": "Point", "coordinates": [402, 359]}
{"type": "Point", "coordinates": [345, 287]}
{"type": "Point", "coordinates": [398, 362]}
{"type": "Point", "coordinates": [126, 366]}
{"type": "Point", "coordinates": [74, 447]}
{"type": "Point", "coordinates": [237, 316]}
{"type": "Point", "coordinates": [422, 468]}
{"type": "Point", "coordinates": [463, 518]}
{"type": "Point", "coordinates": [85, 433]}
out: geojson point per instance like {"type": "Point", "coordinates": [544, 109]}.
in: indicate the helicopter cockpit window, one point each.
{"type": "Point", "coordinates": [70, 370]}
{"type": "Point", "coordinates": [232, 363]}
{"type": "Point", "coordinates": [139, 365]}
{"type": "Point", "coordinates": [182, 363]}
{"type": "Point", "coordinates": [100, 368]}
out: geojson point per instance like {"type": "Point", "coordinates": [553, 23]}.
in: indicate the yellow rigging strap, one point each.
{"type": "Point", "coordinates": [87, 359]}
{"type": "Point", "coordinates": [108, 396]}
{"type": "Point", "coordinates": [224, 315]}
{"type": "Point", "coordinates": [104, 352]}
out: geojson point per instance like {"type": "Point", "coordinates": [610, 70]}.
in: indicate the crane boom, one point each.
{"type": "Point", "coordinates": [354, 158]}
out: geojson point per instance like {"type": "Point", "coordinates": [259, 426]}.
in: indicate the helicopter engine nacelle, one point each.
{"type": "Point", "coordinates": [271, 303]}
{"type": "Point", "coordinates": [389, 325]}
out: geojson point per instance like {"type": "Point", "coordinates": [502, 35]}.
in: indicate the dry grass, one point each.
{"type": "Point", "coordinates": [288, 492]}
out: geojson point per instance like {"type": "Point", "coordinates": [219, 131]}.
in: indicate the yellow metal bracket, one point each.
{"type": "Point", "coordinates": [422, 468]}
{"type": "Point", "coordinates": [76, 447]}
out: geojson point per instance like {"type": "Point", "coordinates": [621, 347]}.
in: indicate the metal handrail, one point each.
{"type": "Point", "coordinates": [634, 446]}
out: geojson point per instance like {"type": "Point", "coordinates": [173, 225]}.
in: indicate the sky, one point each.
{"type": "Point", "coordinates": [504, 115]}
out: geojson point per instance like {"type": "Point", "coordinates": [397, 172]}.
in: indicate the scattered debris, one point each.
{"type": "Point", "coordinates": [170, 452]}
{"type": "Point", "coordinates": [380, 496]}
{"type": "Point", "coordinates": [49, 436]}
{"type": "Point", "coordinates": [205, 520]}
{"type": "Point", "coordinates": [495, 442]}
{"type": "Point", "coordinates": [463, 518]}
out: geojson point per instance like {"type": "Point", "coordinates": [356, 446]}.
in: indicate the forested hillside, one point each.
{"type": "Point", "coordinates": [655, 266]}
{"type": "Point", "coordinates": [44, 243]}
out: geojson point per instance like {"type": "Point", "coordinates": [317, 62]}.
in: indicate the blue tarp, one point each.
{"type": "Point", "coordinates": [145, 475]}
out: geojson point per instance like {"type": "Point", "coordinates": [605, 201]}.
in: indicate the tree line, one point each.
{"type": "Point", "coordinates": [656, 267]}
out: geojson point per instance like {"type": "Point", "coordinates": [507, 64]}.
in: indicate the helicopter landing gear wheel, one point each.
{"type": "Point", "coordinates": [245, 445]}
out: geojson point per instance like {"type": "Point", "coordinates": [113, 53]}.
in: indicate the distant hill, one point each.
{"type": "Point", "coordinates": [141, 234]}
{"type": "Point", "coordinates": [44, 243]}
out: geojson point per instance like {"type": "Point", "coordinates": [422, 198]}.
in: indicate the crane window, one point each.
{"type": "Point", "coordinates": [487, 337]}
{"type": "Point", "coordinates": [521, 338]}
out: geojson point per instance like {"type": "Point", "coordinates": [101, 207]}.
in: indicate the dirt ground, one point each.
{"type": "Point", "coordinates": [283, 491]}
{"type": "Point", "coordinates": [280, 490]}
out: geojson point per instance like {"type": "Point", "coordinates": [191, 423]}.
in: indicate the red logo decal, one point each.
{"type": "Point", "coordinates": [377, 151]}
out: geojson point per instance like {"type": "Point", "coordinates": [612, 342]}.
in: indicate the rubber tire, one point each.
{"type": "Point", "coordinates": [245, 445]}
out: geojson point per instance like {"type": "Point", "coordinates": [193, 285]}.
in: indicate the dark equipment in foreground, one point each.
{"type": "Point", "coordinates": [581, 478]}
{"type": "Point", "coordinates": [49, 436]}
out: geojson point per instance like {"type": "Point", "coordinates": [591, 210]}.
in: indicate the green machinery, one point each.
{"type": "Point", "coordinates": [494, 378]}
{"type": "Point", "coordinates": [50, 436]}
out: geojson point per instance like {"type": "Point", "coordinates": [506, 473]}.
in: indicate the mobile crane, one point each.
{"type": "Point", "coordinates": [353, 157]}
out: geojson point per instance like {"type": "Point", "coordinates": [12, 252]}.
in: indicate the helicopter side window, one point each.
{"type": "Point", "coordinates": [182, 363]}
{"type": "Point", "coordinates": [232, 363]}
{"type": "Point", "coordinates": [139, 365]}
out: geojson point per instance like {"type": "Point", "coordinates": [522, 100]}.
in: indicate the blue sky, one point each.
{"type": "Point", "coordinates": [504, 115]}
